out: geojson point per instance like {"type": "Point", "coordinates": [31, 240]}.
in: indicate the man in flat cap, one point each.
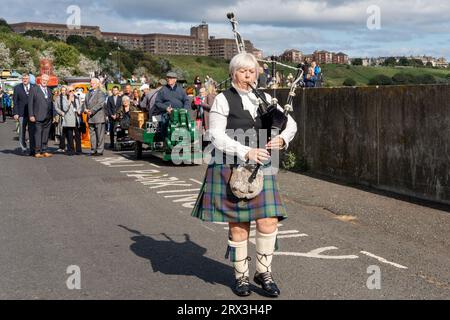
{"type": "Point", "coordinates": [171, 96]}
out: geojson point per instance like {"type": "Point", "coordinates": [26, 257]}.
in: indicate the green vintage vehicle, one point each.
{"type": "Point", "coordinates": [181, 142]}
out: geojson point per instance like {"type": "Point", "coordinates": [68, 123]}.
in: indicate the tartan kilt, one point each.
{"type": "Point", "coordinates": [216, 202]}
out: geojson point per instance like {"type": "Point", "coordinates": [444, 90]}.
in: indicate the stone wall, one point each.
{"type": "Point", "coordinates": [394, 138]}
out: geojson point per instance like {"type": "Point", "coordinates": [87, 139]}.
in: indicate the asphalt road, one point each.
{"type": "Point", "coordinates": [124, 227]}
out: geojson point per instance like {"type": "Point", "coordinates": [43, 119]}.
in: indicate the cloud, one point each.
{"type": "Point", "coordinates": [272, 25]}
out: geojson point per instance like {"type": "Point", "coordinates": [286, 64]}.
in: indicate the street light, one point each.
{"type": "Point", "coordinates": [118, 58]}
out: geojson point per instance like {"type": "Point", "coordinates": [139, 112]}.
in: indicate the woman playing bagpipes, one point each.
{"type": "Point", "coordinates": [228, 193]}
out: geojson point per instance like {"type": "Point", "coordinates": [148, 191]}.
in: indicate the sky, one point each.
{"type": "Point", "coordinates": [361, 28]}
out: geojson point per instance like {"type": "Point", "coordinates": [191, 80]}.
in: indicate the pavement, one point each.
{"type": "Point", "coordinates": [112, 227]}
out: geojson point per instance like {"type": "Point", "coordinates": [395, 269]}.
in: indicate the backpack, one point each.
{"type": "Point", "coordinates": [6, 101]}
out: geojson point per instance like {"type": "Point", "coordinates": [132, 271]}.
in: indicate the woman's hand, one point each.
{"type": "Point", "coordinates": [257, 155]}
{"type": "Point", "coordinates": [276, 143]}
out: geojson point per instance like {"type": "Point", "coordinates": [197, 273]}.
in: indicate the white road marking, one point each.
{"type": "Point", "coordinates": [176, 191]}
{"type": "Point", "coordinates": [126, 165]}
{"type": "Point", "coordinates": [383, 260]}
{"type": "Point", "coordinates": [181, 195]}
{"type": "Point", "coordinates": [293, 236]}
{"type": "Point", "coordinates": [316, 253]}
{"type": "Point", "coordinates": [253, 232]}
{"type": "Point", "coordinates": [204, 226]}
{"type": "Point", "coordinates": [196, 181]}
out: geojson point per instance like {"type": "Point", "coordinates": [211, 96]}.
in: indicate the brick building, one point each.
{"type": "Point", "coordinates": [340, 58]}
{"type": "Point", "coordinates": [292, 55]}
{"type": "Point", "coordinates": [60, 31]}
{"type": "Point", "coordinates": [323, 57]}
{"type": "Point", "coordinates": [197, 43]}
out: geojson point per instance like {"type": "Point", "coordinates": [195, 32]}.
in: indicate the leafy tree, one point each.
{"type": "Point", "coordinates": [429, 64]}
{"type": "Point", "coordinates": [349, 82]}
{"type": "Point", "coordinates": [40, 34]}
{"type": "Point", "coordinates": [390, 62]}
{"type": "Point", "coordinates": [23, 61]}
{"type": "Point", "coordinates": [426, 79]}
{"type": "Point", "coordinates": [6, 61]}
{"type": "Point", "coordinates": [65, 55]}
{"type": "Point", "coordinates": [381, 79]}
{"type": "Point", "coordinates": [417, 63]}
{"type": "Point", "coordinates": [404, 62]}
{"type": "Point", "coordinates": [403, 78]}
{"type": "Point", "coordinates": [4, 26]}
{"type": "Point", "coordinates": [357, 62]}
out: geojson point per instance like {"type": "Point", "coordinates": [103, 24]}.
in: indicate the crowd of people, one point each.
{"type": "Point", "coordinates": [312, 77]}
{"type": "Point", "coordinates": [57, 113]}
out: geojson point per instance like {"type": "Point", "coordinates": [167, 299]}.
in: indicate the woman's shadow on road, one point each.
{"type": "Point", "coordinates": [179, 258]}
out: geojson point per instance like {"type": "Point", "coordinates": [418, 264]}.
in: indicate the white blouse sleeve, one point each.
{"type": "Point", "coordinates": [217, 132]}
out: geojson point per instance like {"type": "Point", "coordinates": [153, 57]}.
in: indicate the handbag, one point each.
{"type": "Point", "coordinates": [81, 124]}
{"type": "Point", "coordinates": [241, 184]}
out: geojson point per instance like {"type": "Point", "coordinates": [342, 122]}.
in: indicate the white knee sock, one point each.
{"type": "Point", "coordinates": [265, 246]}
{"type": "Point", "coordinates": [239, 257]}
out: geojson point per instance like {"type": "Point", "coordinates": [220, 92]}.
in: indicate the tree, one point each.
{"type": "Point", "coordinates": [404, 62]}
{"type": "Point", "coordinates": [429, 64]}
{"type": "Point", "coordinates": [417, 63]}
{"type": "Point", "coordinates": [403, 78]}
{"type": "Point", "coordinates": [24, 61]}
{"type": "Point", "coordinates": [426, 79]}
{"type": "Point", "coordinates": [390, 62]}
{"type": "Point", "coordinates": [357, 62]}
{"type": "Point", "coordinates": [349, 82]}
{"type": "Point", "coordinates": [4, 26]}
{"type": "Point", "coordinates": [6, 61]}
{"type": "Point", "coordinates": [86, 66]}
{"type": "Point", "coordinates": [66, 56]}
{"type": "Point", "coordinates": [40, 34]}
{"type": "Point", "coordinates": [381, 79]}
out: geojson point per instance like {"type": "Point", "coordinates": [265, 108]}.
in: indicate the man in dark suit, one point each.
{"type": "Point", "coordinates": [20, 112]}
{"type": "Point", "coordinates": [40, 111]}
{"type": "Point", "coordinates": [113, 105]}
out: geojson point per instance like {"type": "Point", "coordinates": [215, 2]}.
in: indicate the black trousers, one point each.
{"type": "Point", "coordinates": [62, 140]}
{"type": "Point", "coordinates": [70, 134]}
{"type": "Point", "coordinates": [42, 131]}
{"type": "Point", "coordinates": [112, 124]}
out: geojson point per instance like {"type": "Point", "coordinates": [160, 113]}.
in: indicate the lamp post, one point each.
{"type": "Point", "coordinates": [118, 58]}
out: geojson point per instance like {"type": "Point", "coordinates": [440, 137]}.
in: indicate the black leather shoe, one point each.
{"type": "Point", "coordinates": [242, 287]}
{"type": "Point", "coordinates": [269, 286]}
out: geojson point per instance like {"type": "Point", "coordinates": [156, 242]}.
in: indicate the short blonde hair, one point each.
{"type": "Point", "coordinates": [125, 98]}
{"type": "Point", "coordinates": [243, 60]}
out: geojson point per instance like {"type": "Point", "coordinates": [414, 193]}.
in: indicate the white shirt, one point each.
{"type": "Point", "coordinates": [218, 123]}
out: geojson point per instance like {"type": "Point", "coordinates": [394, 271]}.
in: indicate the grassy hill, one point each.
{"type": "Point", "coordinates": [202, 66]}
{"type": "Point", "coordinates": [336, 74]}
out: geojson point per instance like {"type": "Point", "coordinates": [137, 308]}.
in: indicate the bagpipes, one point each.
{"type": "Point", "coordinates": [273, 119]}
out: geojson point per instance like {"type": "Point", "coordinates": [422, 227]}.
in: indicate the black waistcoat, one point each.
{"type": "Point", "coordinates": [240, 119]}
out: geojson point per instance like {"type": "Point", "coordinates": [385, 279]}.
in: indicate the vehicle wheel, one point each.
{"type": "Point", "coordinates": [138, 150]}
